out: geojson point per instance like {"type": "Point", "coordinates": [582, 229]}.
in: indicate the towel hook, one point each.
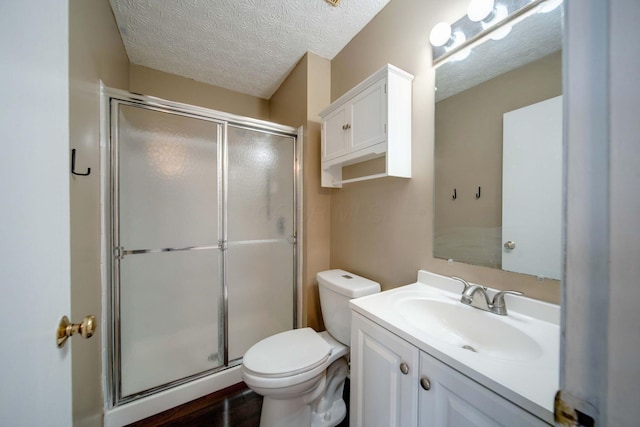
{"type": "Point", "coordinates": [455, 196]}
{"type": "Point", "coordinates": [73, 165]}
{"type": "Point", "coordinates": [478, 193]}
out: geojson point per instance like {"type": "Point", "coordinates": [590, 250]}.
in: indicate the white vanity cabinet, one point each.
{"type": "Point", "coordinates": [393, 383]}
{"type": "Point", "coordinates": [371, 120]}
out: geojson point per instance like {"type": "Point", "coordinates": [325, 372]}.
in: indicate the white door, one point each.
{"type": "Point", "coordinates": [532, 189]}
{"type": "Point", "coordinates": [34, 214]}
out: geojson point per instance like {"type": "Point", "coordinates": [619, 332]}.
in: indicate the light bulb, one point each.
{"type": "Point", "coordinates": [499, 14]}
{"type": "Point", "coordinates": [440, 34]}
{"type": "Point", "coordinates": [549, 5]}
{"type": "Point", "coordinates": [480, 9]}
{"type": "Point", "coordinates": [462, 55]}
{"type": "Point", "coordinates": [500, 33]}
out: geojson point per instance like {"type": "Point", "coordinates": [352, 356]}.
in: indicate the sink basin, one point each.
{"type": "Point", "coordinates": [469, 328]}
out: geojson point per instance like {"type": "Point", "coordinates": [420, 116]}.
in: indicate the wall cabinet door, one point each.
{"type": "Point", "coordinates": [454, 400]}
{"type": "Point", "coordinates": [368, 118]}
{"type": "Point", "coordinates": [335, 134]}
{"type": "Point", "coordinates": [384, 375]}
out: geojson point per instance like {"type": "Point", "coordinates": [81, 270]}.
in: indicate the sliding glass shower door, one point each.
{"type": "Point", "coordinates": [261, 237]}
{"type": "Point", "coordinates": [167, 243]}
{"type": "Point", "coordinates": [203, 241]}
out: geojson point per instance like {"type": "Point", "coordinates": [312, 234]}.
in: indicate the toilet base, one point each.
{"type": "Point", "coordinates": [321, 405]}
{"type": "Point", "coordinates": [332, 417]}
{"type": "Point", "coordinates": [285, 413]}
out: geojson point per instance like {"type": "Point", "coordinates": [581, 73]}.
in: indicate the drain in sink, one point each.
{"type": "Point", "coordinates": [468, 347]}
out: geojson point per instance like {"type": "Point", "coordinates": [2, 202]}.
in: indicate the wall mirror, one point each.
{"type": "Point", "coordinates": [498, 147]}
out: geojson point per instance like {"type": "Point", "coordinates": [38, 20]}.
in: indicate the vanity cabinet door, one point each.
{"type": "Point", "coordinates": [384, 374]}
{"type": "Point", "coordinates": [454, 400]}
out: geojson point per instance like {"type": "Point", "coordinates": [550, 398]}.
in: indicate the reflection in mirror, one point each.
{"type": "Point", "coordinates": [498, 151]}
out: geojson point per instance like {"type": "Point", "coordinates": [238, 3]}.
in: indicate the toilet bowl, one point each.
{"type": "Point", "coordinates": [301, 372]}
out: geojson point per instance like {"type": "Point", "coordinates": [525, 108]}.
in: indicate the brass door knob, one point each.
{"type": "Point", "coordinates": [67, 329]}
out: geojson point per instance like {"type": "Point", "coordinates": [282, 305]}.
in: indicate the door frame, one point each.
{"type": "Point", "coordinates": [600, 293]}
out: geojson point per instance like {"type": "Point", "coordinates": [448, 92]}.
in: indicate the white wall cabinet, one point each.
{"type": "Point", "coordinates": [371, 120]}
{"type": "Point", "coordinates": [393, 383]}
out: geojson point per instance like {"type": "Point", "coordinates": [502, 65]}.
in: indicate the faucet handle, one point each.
{"type": "Point", "coordinates": [464, 282]}
{"type": "Point", "coordinates": [498, 305]}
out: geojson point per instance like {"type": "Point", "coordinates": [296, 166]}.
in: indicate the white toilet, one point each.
{"type": "Point", "coordinates": [301, 372]}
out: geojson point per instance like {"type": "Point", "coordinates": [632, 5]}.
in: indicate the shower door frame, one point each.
{"type": "Point", "coordinates": [110, 100]}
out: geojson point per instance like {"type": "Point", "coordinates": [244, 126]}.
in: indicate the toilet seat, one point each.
{"type": "Point", "coordinates": [287, 354]}
{"type": "Point", "coordinates": [286, 359]}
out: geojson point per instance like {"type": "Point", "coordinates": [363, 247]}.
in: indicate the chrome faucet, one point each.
{"type": "Point", "coordinates": [470, 297]}
{"type": "Point", "coordinates": [476, 296]}
{"type": "Point", "coordinates": [498, 305]}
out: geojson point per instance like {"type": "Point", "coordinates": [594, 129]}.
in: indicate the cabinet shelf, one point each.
{"type": "Point", "coordinates": [369, 121]}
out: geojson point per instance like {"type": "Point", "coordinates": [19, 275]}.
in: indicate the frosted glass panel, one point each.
{"type": "Point", "coordinates": [169, 317]}
{"type": "Point", "coordinates": [260, 290]}
{"type": "Point", "coordinates": [168, 179]}
{"type": "Point", "coordinates": [260, 185]}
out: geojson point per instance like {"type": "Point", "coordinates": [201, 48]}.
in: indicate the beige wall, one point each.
{"type": "Point", "coordinates": [148, 81]}
{"type": "Point", "coordinates": [383, 229]}
{"type": "Point", "coordinates": [95, 53]}
{"type": "Point", "coordinates": [297, 102]}
{"type": "Point", "coordinates": [468, 154]}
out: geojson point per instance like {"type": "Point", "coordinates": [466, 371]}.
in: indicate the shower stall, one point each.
{"type": "Point", "coordinates": [201, 243]}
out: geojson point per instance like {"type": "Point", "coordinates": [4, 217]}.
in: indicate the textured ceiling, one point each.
{"type": "Point", "coordinates": [249, 46]}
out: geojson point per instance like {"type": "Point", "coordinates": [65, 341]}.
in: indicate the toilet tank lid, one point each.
{"type": "Point", "coordinates": [347, 284]}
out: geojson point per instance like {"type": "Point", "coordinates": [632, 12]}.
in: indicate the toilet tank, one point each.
{"type": "Point", "coordinates": [336, 288]}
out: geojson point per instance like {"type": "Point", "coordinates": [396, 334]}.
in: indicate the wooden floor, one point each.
{"type": "Point", "coordinates": [235, 406]}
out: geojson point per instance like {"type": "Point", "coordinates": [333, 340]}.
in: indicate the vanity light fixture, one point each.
{"type": "Point", "coordinates": [479, 10]}
{"type": "Point", "coordinates": [485, 19]}
{"type": "Point", "coordinates": [489, 14]}
{"type": "Point", "coordinates": [441, 36]}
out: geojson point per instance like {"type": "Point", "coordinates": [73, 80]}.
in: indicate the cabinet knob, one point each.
{"type": "Point", "coordinates": [425, 383]}
{"type": "Point", "coordinates": [346, 126]}
{"type": "Point", "coordinates": [404, 368]}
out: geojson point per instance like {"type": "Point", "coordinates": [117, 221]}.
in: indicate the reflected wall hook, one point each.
{"type": "Point", "coordinates": [73, 165]}
{"type": "Point", "coordinates": [478, 193]}
{"type": "Point", "coordinates": [455, 196]}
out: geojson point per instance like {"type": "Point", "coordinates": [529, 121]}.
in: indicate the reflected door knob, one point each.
{"type": "Point", "coordinates": [510, 244]}
{"type": "Point", "coordinates": [66, 329]}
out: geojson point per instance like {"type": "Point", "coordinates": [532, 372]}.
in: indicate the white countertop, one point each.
{"type": "Point", "coordinates": [530, 384]}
